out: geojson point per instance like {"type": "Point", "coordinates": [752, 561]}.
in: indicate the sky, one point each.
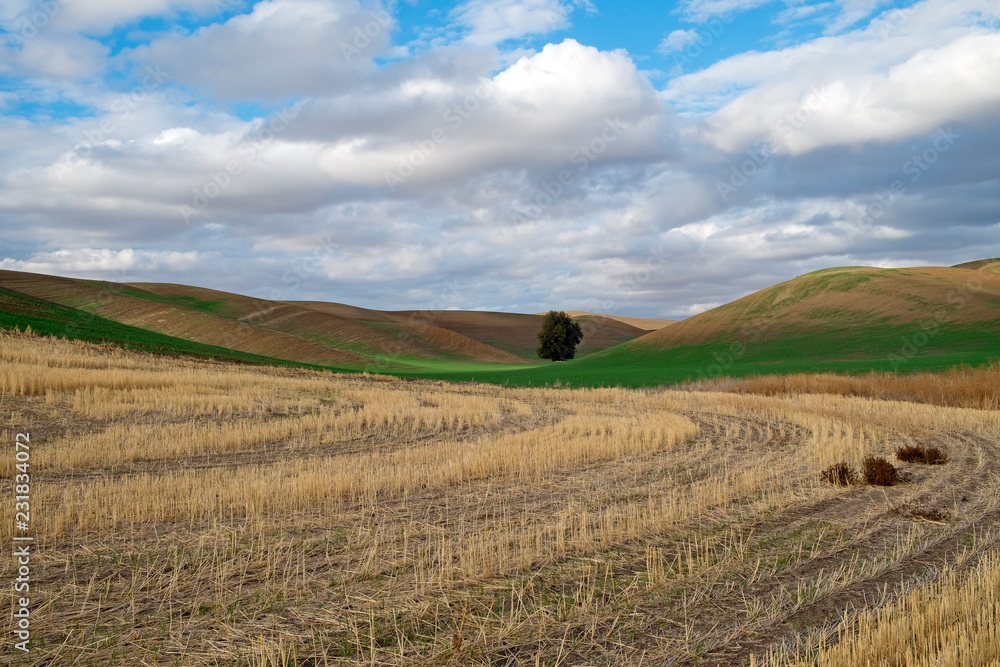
{"type": "Point", "coordinates": [633, 157]}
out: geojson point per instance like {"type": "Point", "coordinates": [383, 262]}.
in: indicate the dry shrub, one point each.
{"type": "Point", "coordinates": [910, 453]}
{"type": "Point", "coordinates": [840, 474]}
{"type": "Point", "coordinates": [934, 456]}
{"type": "Point", "coordinates": [879, 472]}
{"type": "Point", "coordinates": [921, 454]}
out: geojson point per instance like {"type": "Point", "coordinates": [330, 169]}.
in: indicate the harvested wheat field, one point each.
{"type": "Point", "coordinates": [199, 513]}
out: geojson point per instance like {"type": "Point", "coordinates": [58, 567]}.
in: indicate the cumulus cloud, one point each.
{"type": "Point", "coordinates": [463, 174]}
{"type": "Point", "coordinates": [283, 49]}
{"type": "Point", "coordinates": [58, 55]}
{"type": "Point", "coordinates": [934, 67]}
{"type": "Point", "coordinates": [543, 111]}
{"type": "Point", "coordinates": [56, 40]}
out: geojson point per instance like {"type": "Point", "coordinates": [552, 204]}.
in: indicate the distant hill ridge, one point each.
{"type": "Point", "coordinates": [316, 333]}
{"type": "Point", "coordinates": [844, 299]}
{"type": "Point", "coordinates": [842, 319]}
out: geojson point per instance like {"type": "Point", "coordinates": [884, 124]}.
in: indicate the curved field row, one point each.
{"type": "Point", "coordinates": [548, 526]}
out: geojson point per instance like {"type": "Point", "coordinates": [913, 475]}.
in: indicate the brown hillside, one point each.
{"type": "Point", "coordinates": [259, 326]}
{"type": "Point", "coordinates": [456, 343]}
{"type": "Point", "coordinates": [345, 311]}
{"type": "Point", "coordinates": [842, 297]}
{"type": "Point", "coordinates": [316, 325]}
{"type": "Point", "coordinates": [340, 325]}
{"type": "Point", "coordinates": [517, 333]}
{"type": "Point", "coordinates": [647, 323]}
{"type": "Point", "coordinates": [173, 320]}
{"type": "Point", "coordinates": [314, 332]}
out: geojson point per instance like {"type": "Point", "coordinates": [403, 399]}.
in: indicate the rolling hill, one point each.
{"type": "Point", "coordinates": [647, 323]}
{"type": "Point", "coordinates": [518, 334]}
{"type": "Point", "coordinates": [514, 333]}
{"type": "Point", "coordinates": [195, 320]}
{"type": "Point", "coordinates": [847, 319]}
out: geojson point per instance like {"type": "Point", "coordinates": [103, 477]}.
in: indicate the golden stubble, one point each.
{"type": "Point", "coordinates": [259, 515]}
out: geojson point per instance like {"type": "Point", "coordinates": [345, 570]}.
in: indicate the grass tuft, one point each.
{"type": "Point", "coordinates": [839, 474]}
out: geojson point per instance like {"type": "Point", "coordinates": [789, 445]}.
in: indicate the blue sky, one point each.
{"type": "Point", "coordinates": [644, 158]}
{"type": "Point", "coordinates": [641, 28]}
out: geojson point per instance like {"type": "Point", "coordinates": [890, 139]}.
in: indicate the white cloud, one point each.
{"type": "Point", "coordinates": [53, 54]}
{"type": "Point", "coordinates": [54, 39]}
{"type": "Point", "coordinates": [836, 14]}
{"type": "Point", "coordinates": [676, 41]}
{"type": "Point", "coordinates": [493, 21]}
{"type": "Point", "coordinates": [282, 49]}
{"type": "Point", "coordinates": [84, 261]}
{"type": "Point", "coordinates": [177, 135]}
{"type": "Point", "coordinates": [700, 11]}
{"type": "Point", "coordinates": [641, 226]}
{"type": "Point", "coordinates": [863, 86]}
{"type": "Point", "coordinates": [96, 15]}
{"type": "Point", "coordinates": [851, 12]}
{"type": "Point", "coordinates": [543, 111]}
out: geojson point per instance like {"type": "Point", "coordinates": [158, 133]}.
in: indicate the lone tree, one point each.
{"type": "Point", "coordinates": [559, 336]}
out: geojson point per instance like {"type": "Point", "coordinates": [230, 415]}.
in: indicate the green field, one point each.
{"type": "Point", "coordinates": [855, 350]}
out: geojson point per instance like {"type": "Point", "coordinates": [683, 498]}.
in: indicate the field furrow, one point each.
{"type": "Point", "coordinates": [299, 517]}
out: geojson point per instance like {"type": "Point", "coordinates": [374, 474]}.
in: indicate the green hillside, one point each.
{"type": "Point", "coordinates": [846, 320]}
